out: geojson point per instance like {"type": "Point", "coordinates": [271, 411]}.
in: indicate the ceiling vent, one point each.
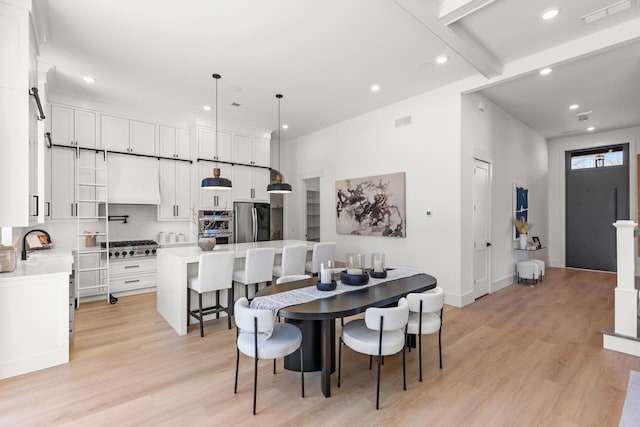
{"type": "Point", "coordinates": [584, 116]}
{"type": "Point", "coordinates": [403, 121]}
{"type": "Point", "coordinates": [607, 11]}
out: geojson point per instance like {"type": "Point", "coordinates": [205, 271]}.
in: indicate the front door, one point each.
{"type": "Point", "coordinates": [481, 229]}
{"type": "Point", "coordinates": [597, 195]}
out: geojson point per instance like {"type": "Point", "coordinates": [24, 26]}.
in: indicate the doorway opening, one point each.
{"type": "Point", "coordinates": [312, 207]}
{"type": "Point", "coordinates": [597, 195]}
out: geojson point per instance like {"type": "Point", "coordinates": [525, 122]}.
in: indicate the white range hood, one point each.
{"type": "Point", "coordinates": [133, 180]}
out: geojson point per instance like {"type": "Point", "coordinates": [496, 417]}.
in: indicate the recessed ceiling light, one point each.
{"type": "Point", "coordinates": [206, 108]}
{"type": "Point", "coordinates": [574, 107]}
{"type": "Point", "coordinates": [591, 128]}
{"type": "Point", "coordinates": [89, 79]}
{"type": "Point", "coordinates": [545, 71]}
{"type": "Point", "coordinates": [285, 126]}
{"type": "Point", "coordinates": [442, 59]}
{"type": "Point", "coordinates": [550, 13]}
{"type": "Point", "coordinates": [375, 88]}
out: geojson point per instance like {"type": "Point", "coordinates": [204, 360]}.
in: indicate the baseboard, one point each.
{"type": "Point", "coordinates": [556, 263]}
{"type": "Point", "coordinates": [458, 300]}
{"type": "Point", "coordinates": [502, 283]}
{"type": "Point", "coordinates": [621, 344]}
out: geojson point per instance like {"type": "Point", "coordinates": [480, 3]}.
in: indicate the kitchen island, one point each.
{"type": "Point", "coordinates": [175, 265]}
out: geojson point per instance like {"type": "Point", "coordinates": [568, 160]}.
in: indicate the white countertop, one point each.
{"type": "Point", "coordinates": [43, 262]}
{"type": "Point", "coordinates": [192, 253]}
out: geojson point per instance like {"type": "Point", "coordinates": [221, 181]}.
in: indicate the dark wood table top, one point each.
{"type": "Point", "coordinates": [349, 303]}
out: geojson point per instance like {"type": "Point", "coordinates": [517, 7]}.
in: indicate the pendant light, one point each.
{"type": "Point", "coordinates": [216, 183]}
{"type": "Point", "coordinates": [279, 187]}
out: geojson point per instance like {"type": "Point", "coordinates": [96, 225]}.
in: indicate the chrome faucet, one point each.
{"type": "Point", "coordinates": [24, 241]}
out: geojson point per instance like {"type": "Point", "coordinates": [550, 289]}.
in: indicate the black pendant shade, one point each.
{"type": "Point", "coordinates": [216, 183]}
{"type": "Point", "coordinates": [279, 187]}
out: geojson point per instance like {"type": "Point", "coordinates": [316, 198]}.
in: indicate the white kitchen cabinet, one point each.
{"type": "Point", "coordinates": [127, 136]}
{"type": "Point", "coordinates": [175, 191]}
{"type": "Point", "coordinates": [143, 138]}
{"type": "Point", "coordinates": [73, 127]}
{"type": "Point", "coordinates": [63, 203]}
{"type": "Point", "coordinates": [250, 183]}
{"type": "Point", "coordinates": [251, 151]}
{"type": "Point", "coordinates": [173, 142]}
{"type": "Point", "coordinates": [214, 199]}
{"type": "Point", "coordinates": [114, 133]}
{"type": "Point", "coordinates": [207, 145]}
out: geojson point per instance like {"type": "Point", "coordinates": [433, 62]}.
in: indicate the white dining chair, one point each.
{"type": "Point", "coordinates": [293, 261]}
{"type": "Point", "coordinates": [425, 317]}
{"type": "Point", "coordinates": [214, 274]}
{"type": "Point", "coordinates": [258, 268]}
{"type": "Point", "coordinates": [260, 337]}
{"type": "Point", "coordinates": [382, 332]}
{"type": "Point", "coordinates": [292, 278]}
{"type": "Point", "coordinates": [322, 252]}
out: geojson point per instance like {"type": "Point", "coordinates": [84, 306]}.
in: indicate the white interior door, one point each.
{"type": "Point", "coordinates": [481, 229]}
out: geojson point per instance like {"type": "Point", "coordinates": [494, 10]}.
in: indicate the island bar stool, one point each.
{"type": "Point", "coordinates": [214, 274]}
{"type": "Point", "coordinates": [258, 268]}
{"type": "Point", "coordinates": [322, 252]}
{"type": "Point", "coordinates": [382, 332]}
{"type": "Point", "coordinates": [293, 261]}
{"type": "Point", "coordinates": [425, 317]}
{"type": "Point", "coordinates": [261, 338]}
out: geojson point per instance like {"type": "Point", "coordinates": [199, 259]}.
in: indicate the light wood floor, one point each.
{"type": "Point", "coordinates": [522, 356]}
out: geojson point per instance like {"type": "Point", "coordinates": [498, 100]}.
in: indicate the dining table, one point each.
{"type": "Point", "coordinates": [317, 319]}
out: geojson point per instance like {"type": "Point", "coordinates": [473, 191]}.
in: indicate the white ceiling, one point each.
{"type": "Point", "coordinates": [322, 55]}
{"type": "Point", "coordinates": [607, 84]}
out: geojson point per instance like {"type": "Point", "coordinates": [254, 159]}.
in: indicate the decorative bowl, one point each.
{"type": "Point", "coordinates": [207, 243]}
{"type": "Point", "coordinates": [378, 275]}
{"type": "Point", "coordinates": [327, 286]}
{"type": "Point", "coordinates": [354, 279]}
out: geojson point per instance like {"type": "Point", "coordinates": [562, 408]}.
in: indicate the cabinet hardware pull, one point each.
{"type": "Point", "coordinates": [132, 266]}
{"type": "Point", "coordinates": [71, 209]}
{"type": "Point", "coordinates": [177, 210]}
{"type": "Point", "coordinates": [131, 281]}
{"type": "Point", "coordinates": [48, 208]}
{"type": "Point", "coordinates": [37, 203]}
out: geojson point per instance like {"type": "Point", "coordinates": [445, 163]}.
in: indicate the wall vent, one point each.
{"type": "Point", "coordinates": [607, 11]}
{"type": "Point", "coordinates": [403, 121]}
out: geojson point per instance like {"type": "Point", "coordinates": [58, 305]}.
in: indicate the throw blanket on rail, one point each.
{"type": "Point", "coordinates": [299, 296]}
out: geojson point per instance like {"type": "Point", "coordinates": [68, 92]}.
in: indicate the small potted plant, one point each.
{"type": "Point", "coordinates": [523, 227]}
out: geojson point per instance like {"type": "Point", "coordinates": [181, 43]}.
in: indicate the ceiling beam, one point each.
{"type": "Point", "coordinates": [454, 10]}
{"type": "Point", "coordinates": [468, 48]}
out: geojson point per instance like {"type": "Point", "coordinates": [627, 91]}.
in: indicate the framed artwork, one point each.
{"type": "Point", "coordinates": [372, 206]}
{"type": "Point", "coordinates": [521, 205]}
{"type": "Point", "coordinates": [536, 242]}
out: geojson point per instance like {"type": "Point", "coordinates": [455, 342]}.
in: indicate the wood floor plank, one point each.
{"type": "Point", "coordinates": [522, 356]}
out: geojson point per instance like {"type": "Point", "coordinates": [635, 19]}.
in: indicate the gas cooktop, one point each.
{"type": "Point", "coordinates": [131, 248]}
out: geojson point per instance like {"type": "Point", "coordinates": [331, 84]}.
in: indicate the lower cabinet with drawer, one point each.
{"type": "Point", "coordinates": [134, 274]}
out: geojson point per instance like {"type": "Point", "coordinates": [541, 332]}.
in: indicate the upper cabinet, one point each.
{"type": "Point", "coordinates": [251, 151]}
{"type": "Point", "coordinates": [127, 136]}
{"type": "Point", "coordinates": [70, 126]}
{"type": "Point", "coordinates": [173, 142]}
{"type": "Point", "coordinates": [207, 147]}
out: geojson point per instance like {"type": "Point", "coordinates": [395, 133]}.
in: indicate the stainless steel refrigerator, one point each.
{"type": "Point", "coordinates": [251, 222]}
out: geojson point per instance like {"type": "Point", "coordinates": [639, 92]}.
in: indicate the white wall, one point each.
{"type": "Point", "coordinates": [557, 149]}
{"type": "Point", "coordinates": [428, 151]}
{"type": "Point", "coordinates": [517, 154]}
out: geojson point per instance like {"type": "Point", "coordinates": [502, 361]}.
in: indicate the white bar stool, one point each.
{"type": "Point", "coordinates": [293, 261]}
{"type": "Point", "coordinates": [258, 268]}
{"type": "Point", "coordinates": [322, 252]}
{"type": "Point", "coordinates": [214, 274]}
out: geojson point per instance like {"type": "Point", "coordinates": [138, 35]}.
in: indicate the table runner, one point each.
{"type": "Point", "coordinates": [310, 293]}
